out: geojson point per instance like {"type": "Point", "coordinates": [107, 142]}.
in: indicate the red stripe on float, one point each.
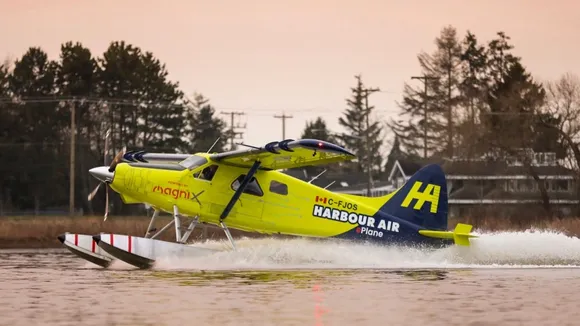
{"type": "Point", "coordinates": [129, 242]}
{"type": "Point", "coordinates": [76, 239]}
{"type": "Point", "coordinates": [112, 242]}
{"type": "Point", "coordinates": [93, 246]}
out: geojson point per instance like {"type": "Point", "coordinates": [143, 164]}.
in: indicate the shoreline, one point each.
{"type": "Point", "coordinates": [27, 232]}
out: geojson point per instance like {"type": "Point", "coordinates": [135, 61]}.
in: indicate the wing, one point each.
{"type": "Point", "coordinates": [162, 161]}
{"type": "Point", "coordinates": [145, 157]}
{"type": "Point", "coordinates": [286, 154]}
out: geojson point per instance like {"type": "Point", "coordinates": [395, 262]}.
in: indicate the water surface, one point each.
{"type": "Point", "coordinates": [504, 279]}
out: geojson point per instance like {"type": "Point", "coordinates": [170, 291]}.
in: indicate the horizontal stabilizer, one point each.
{"type": "Point", "coordinates": [460, 235]}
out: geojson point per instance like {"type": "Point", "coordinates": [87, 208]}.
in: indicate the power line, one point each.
{"type": "Point", "coordinates": [283, 117]}
{"type": "Point", "coordinates": [136, 102]}
{"type": "Point", "coordinates": [80, 99]}
{"type": "Point", "coordinates": [233, 127]}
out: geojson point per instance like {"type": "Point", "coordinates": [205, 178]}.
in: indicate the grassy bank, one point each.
{"type": "Point", "coordinates": [41, 231]}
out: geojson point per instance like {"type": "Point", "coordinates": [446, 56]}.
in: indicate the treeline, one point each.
{"type": "Point", "coordinates": [126, 94]}
{"type": "Point", "coordinates": [123, 93]}
{"type": "Point", "coordinates": [125, 90]}
{"type": "Point", "coordinates": [478, 101]}
{"type": "Point", "coordinates": [471, 98]}
{"type": "Point", "coordinates": [474, 98]}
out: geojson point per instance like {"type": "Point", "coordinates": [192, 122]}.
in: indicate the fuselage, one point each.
{"type": "Point", "coordinates": [272, 203]}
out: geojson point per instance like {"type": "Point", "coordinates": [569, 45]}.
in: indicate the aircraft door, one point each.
{"type": "Point", "coordinates": [251, 201]}
{"type": "Point", "coordinates": [201, 187]}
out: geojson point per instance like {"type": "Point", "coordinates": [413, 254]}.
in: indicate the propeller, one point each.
{"type": "Point", "coordinates": [116, 160]}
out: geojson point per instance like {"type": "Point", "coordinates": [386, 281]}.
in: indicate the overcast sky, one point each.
{"type": "Point", "coordinates": [266, 57]}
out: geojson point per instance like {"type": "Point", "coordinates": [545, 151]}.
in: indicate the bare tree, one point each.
{"type": "Point", "coordinates": [561, 113]}
{"type": "Point", "coordinates": [563, 103]}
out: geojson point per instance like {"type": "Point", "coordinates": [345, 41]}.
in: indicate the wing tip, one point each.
{"type": "Point", "coordinates": [323, 145]}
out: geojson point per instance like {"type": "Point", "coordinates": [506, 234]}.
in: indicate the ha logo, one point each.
{"type": "Point", "coordinates": [429, 194]}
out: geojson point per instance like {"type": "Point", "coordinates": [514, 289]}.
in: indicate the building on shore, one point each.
{"type": "Point", "coordinates": [480, 187]}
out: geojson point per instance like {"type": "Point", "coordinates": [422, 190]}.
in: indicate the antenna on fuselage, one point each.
{"type": "Point", "coordinates": [330, 184]}
{"type": "Point", "coordinates": [316, 176]}
{"type": "Point", "coordinates": [250, 146]}
{"type": "Point", "coordinates": [212, 146]}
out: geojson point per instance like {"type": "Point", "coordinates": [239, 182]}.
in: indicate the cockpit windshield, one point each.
{"type": "Point", "coordinates": [193, 162]}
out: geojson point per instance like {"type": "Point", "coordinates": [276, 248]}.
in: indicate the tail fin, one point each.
{"type": "Point", "coordinates": [422, 200]}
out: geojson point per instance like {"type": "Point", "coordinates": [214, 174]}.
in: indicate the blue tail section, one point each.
{"type": "Point", "coordinates": [422, 200]}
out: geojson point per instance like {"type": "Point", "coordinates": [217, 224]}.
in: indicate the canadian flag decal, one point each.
{"type": "Point", "coordinates": [320, 199]}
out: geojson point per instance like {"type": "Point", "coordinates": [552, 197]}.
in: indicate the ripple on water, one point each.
{"type": "Point", "coordinates": [279, 282]}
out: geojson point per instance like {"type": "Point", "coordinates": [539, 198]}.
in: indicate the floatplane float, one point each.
{"type": "Point", "coordinates": [246, 190]}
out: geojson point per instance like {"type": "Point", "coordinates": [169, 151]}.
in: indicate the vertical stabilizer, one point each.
{"type": "Point", "coordinates": [422, 200]}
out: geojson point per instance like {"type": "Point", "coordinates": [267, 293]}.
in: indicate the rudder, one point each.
{"type": "Point", "coordinates": [422, 200]}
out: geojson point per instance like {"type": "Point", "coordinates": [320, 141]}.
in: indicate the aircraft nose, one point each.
{"type": "Point", "coordinates": [102, 173]}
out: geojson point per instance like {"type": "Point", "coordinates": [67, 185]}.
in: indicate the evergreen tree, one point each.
{"type": "Point", "coordinates": [38, 132]}
{"type": "Point", "coordinates": [473, 86]}
{"type": "Point", "coordinates": [363, 134]}
{"type": "Point", "coordinates": [161, 108]}
{"type": "Point", "coordinates": [140, 105]}
{"type": "Point", "coordinates": [5, 112]}
{"type": "Point", "coordinates": [77, 78]}
{"type": "Point", "coordinates": [512, 96]}
{"type": "Point", "coordinates": [151, 116]}
{"type": "Point", "coordinates": [431, 116]}
{"type": "Point", "coordinates": [7, 154]}
{"type": "Point", "coordinates": [513, 103]}
{"type": "Point", "coordinates": [474, 78]}
{"type": "Point", "coordinates": [203, 128]}
{"type": "Point", "coordinates": [514, 100]}
{"type": "Point", "coordinates": [317, 129]}
{"type": "Point", "coordinates": [395, 154]}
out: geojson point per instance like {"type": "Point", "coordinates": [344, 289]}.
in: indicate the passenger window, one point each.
{"type": "Point", "coordinates": [278, 187]}
{"type": "Point", "coordinates": [207, 173]}
{"type": "Point", "coordinates": [253, 188]}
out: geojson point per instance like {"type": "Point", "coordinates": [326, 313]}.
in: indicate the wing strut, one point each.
{"type": "Point", "coordinates": [235, 198]}
{"type": "Point", "coordinates": [239, 191]}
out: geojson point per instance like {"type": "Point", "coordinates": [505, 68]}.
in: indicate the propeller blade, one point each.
{"type": "Point", "coordinates": [94, 192]}
{"type": "Point", "coordinates": [106, 203]}
{"type": "Point", "coordinates": [118, 159]}
{"type": "Point", "coordinates": [107, 135]}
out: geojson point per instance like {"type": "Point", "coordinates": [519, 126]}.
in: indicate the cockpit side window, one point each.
{"type": "Point", "coordinates": [207, 173]}
{"type": "Point", "coordinates": [278, 187]}
{"type": "Point", "coordinates": [193, 162]}
{"type": "Point", "coordinates": [253, 188]}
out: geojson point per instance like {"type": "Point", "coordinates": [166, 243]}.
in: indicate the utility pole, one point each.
{"type": "Point", "coordinates": [449, 113]}
{"type": "Point", "coordinates": [73, 129]}
{"type": "Point", "coordinates": [234, 133]}
{"type": "Point", "coordinates": [367, 92]}
{"type": "Point", "coordinates": [424, 78]}
{"type": "Point", "coordinates": [283, 117]}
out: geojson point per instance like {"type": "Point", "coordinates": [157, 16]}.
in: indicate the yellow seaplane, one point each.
{"type": "Point", "coordinates": [246, 190]}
